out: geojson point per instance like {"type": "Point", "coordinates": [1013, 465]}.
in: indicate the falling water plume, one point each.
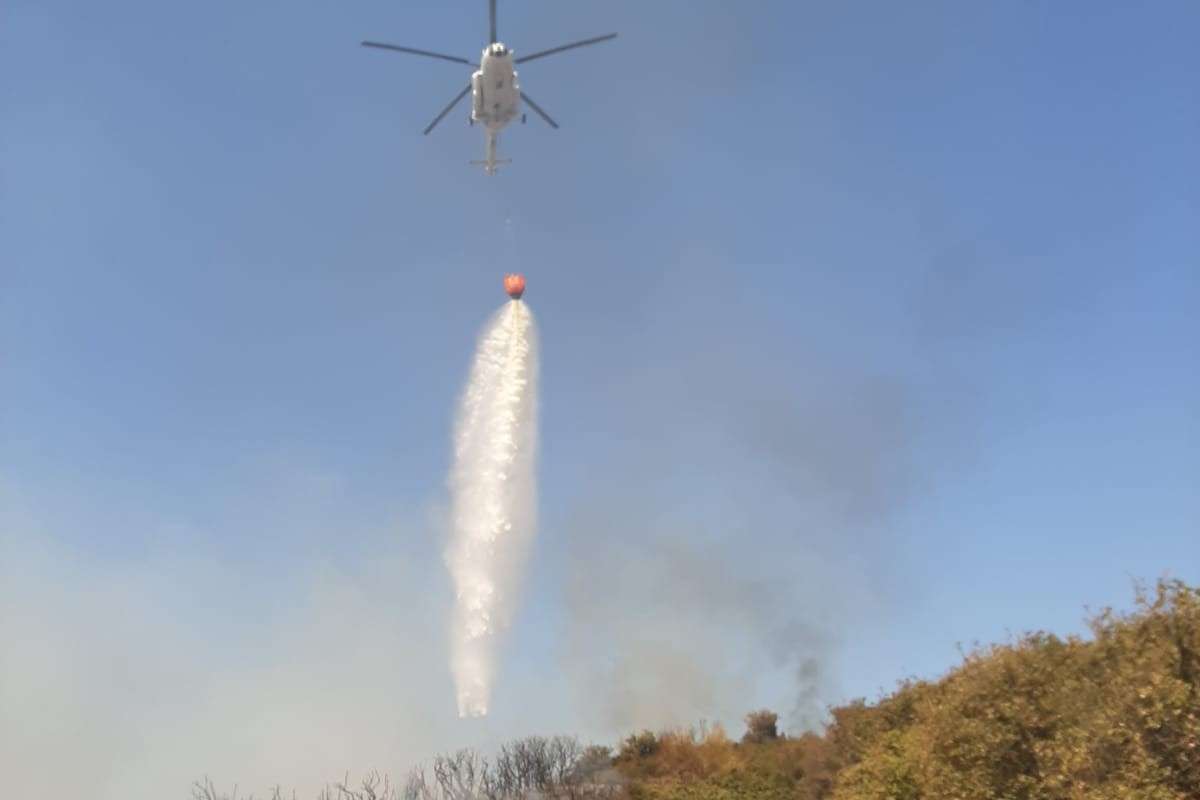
{"type": "Point", "coordinates": [493, 497]}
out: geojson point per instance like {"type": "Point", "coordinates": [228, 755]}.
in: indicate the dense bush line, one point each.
{"type": "Point", "coordinates": [1042, 718]}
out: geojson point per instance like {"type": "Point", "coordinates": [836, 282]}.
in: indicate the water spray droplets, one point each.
{"type": "Point", "coordinates": [493, 497]}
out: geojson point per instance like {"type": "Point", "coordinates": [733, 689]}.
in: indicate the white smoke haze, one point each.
{"type": "Point", "coordinates": [132, 679]}
{"type": "Point", "coordinates": [493, 498]}
{"type": "Point", "coordinates": [133, 675]}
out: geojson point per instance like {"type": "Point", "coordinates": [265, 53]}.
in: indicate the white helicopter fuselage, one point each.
{"type": "Point", "coordinates": [495, 93]}
{"type": "Point", "coordinates": [495, 98]}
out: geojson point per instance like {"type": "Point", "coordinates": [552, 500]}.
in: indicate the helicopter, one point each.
{"type": "Point", "coordinates": [496, 95]}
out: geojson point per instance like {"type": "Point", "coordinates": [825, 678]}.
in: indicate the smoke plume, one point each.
{"type": "Point", "coordinates": [493, 497]}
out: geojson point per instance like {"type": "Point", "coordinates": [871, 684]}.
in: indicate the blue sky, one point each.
{"type": "Point", "coordinates": [870, 322]}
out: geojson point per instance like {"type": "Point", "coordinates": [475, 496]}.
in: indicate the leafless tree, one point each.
{"type": "Point", "coordinates": [373, 787]}
{"type": "Point", "coordinates": [417, 787]}
{"type": "Point", "coordinates": [523, 767]}
{"type": "Point", "coordinates": [533, 768]}
{"type": "Point", "coordinates": [205, 790]}
{"type": "Point", "coordinates": [461, 775]}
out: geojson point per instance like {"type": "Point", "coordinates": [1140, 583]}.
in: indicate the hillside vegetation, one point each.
{"type": "Point", "coordinates": [1115, 716]}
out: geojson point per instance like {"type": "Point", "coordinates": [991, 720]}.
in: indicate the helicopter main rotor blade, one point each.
{"type": "Point", "coordinates": [415, 52]}
{"type": "Point", "coordinates": [492, 21]}
{"type": "Point", "coordinates": [571, 46]}
{"type": "Point", "coordinates": [538, 109]}
{"type": "Point", "coordinates": [447, 109]}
